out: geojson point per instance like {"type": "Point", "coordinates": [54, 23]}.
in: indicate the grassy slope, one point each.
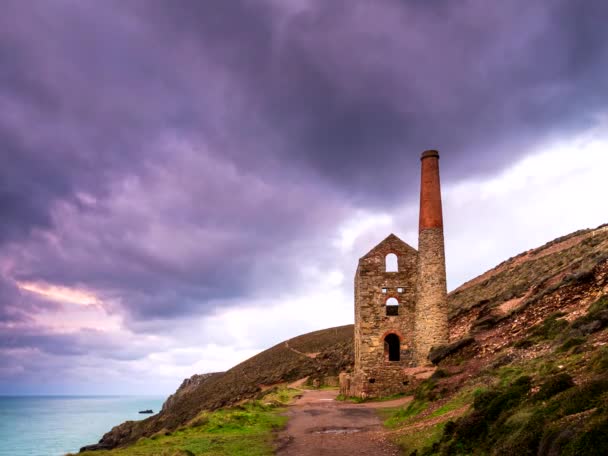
{"type": "Point", "coordinates": [285, 362]}
{"type": "Point", "coordinates": [532, 279]}
{"type": "Point", "coordinates": [242, 430]}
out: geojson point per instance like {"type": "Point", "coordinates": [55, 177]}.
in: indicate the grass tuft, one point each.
{"type": "Point", "coordinates": [403, 414]}
{"type": "Point", "coordinates": [554, 385]}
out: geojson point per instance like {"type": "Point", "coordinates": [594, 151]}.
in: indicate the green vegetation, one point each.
{"type": "Point", "coordinates": [571, 342]}
{"type": "Point", "coordinates": [595, 319]}
{"type": "Point", "coordinates": [427, 390]}
{"type": "Point", "coordinates": [242, 430]}
{"type": "Point", "coordinates": [555, 329]}
{"type": "Point", "coordinates": [554, 385]}
{"type": "Point", "coordinates": [418, 441]}
{"type": "Point", "coordinates": [397, 416]}
{"type": "Point", "coordinates": [599, 361]}
{"type": "Point", "coordinates": [549, 329]}
{"type": "Point", "coordinates": [508, 420]}
{"type": "Point", "coordinates": [457, 402]}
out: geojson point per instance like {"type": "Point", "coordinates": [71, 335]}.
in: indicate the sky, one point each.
{"type": "Point", "coordinates": [184, 184]}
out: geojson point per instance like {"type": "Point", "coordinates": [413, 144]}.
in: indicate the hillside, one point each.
{"type": "Point", "coordinates": [497, 320]}
{"type": "Point", "coordinates": [318, 354]}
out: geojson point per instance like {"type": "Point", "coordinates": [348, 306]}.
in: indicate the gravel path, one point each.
{"type": "Point", "coordinates": [321, 426]}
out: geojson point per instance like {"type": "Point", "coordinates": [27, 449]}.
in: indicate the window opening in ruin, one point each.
{"type": "Point", "coordinates": [391, 263]}
{"type": "Point", "coordinates": [400, 290]}
{"type": "Point", "coordinates": [384, 290]}
{"type": "Point", "coordinates": [391, 347]}
{"type": "Point", "coordinates": [392, 307]}
{"type": "Point", "coordinates": [372, 380]}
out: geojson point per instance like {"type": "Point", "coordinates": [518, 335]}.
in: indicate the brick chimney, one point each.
{"type": "Point", "coordinates": [431, 320]}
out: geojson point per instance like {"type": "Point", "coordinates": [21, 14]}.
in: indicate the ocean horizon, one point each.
{"type": "Point", "coordinates": [49, 425]}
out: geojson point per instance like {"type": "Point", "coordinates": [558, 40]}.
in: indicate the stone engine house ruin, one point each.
{"type": "Point", "coordinates": [401, 300]}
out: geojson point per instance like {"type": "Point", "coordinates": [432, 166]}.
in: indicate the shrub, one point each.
{"type": "Point", "coordinates": [470, 428]}
{"type": "Point", "coordinates": [583, 397]}
{"type": "Point", "coordinates": [599, 305]}
{"type": "Point", "coordinates": [200, 421]}
{"type": "Point", "coordinates": [521, 440]}
{"type": "Point", "coordinates": [599, 362]}
{"type": "Point", "coordinates": [507, 399]}
{"type": "Point", "coordinates": [426, 391]}
{"type": "Point", "coordinates": [554, 385]}
{"type": "Point", "coordinates": [523, 344]}
{"type": "Point", "coordinates": [482, 399]}
{"type": "Point", "coordinates": [595, 319]}
{"type": "Point", "coordinates": [592, 441]}
{"type": "Point", "coordinates": [571, 342]}
{"type": "Point", "coordinates": [413, 409]}
{"type": "Point", "coordinates": [551, 327]}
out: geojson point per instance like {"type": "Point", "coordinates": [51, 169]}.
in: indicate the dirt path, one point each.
{"type": "Point", "coordinates": [321, 426]}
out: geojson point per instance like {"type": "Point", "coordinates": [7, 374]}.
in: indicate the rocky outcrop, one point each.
{"type": "Point", "coordinates": [439, 353]}
{"type": "Point", "coordinates": [187, 387]}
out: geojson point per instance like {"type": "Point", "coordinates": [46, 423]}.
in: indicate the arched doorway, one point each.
{"type": "Point", "coordinates": [392, 347]}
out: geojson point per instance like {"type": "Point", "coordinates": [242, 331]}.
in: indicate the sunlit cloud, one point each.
{"type": "Point", "coordinates": [60, 293]}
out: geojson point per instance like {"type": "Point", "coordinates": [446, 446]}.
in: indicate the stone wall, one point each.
{"type": "Point", "coordinates": [431, 302]}
{"type": "Point", "coordinates": [379, 382]}
{"type": "Point", "coordinates": [374, 373]}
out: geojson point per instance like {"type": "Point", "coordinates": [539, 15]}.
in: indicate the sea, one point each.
{"type": "Point", "coordinates": [56, 425]}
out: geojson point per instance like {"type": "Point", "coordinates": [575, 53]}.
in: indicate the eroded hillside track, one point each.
{"type": "Point", "coordinates": [319, 425]}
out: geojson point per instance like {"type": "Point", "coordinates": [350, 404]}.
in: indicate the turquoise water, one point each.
{"type": "Point", "coordinates": [55, 425]}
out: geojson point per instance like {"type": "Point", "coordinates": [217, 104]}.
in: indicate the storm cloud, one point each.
{"type": "Point", "coordinates": [177, 160]}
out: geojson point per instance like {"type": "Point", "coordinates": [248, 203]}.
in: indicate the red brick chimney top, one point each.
{"type": "Point", "coordinates": [431, 214]}
{"type": "Point", "coordinates": [429, 153]}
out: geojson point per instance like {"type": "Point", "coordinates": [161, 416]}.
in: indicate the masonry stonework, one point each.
{"type": "Point", "coordinates": [390, 339]}
{"type": "Point", "coordinates": [431, 303]}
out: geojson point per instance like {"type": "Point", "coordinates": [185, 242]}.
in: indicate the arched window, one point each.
{"type": "Point", "coordinates": [391, 347]}
{"type": "Point", "coordinates": [391, 263]}
{"type": "Point", "coordinates": [392, 307]}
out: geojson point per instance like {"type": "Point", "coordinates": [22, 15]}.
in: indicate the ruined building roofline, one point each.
{"type": "Point", "coordinates": [389, 238]}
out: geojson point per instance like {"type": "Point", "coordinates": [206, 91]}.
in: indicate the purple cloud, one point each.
{"type": "Point", "coordinates": [181, 158]}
